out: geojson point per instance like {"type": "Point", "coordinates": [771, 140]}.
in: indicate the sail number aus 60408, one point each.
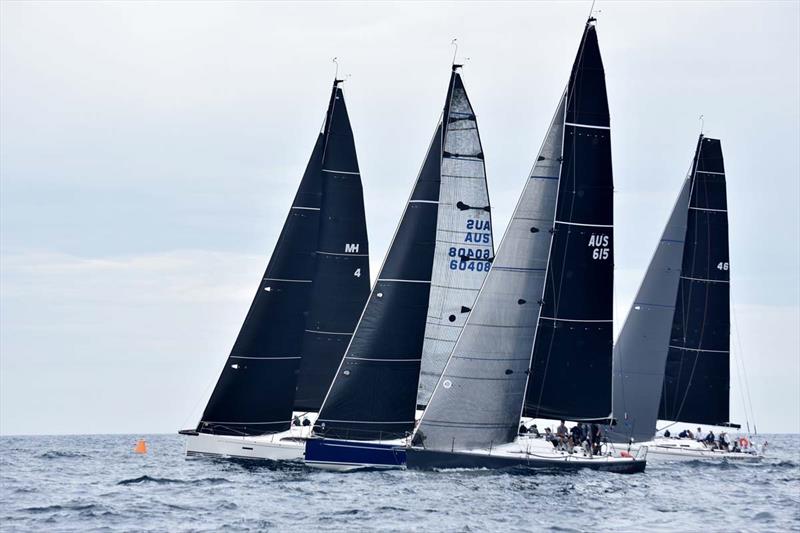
{"type": "Point", "coordinates": [599, 245]}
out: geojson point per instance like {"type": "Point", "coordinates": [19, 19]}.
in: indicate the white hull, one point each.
{"type": "Point", "coordinates": [284, 446]}
{"type": "Point", "coordinates": [662, 449]}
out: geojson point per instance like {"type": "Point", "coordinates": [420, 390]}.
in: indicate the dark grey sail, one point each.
{"type": "Point", "coordinates": [255, 393]}
{"type": "Point", "coordinates": [477, 400]}
{"type": "Point", "coordinates": [697, 374]}
{"type": "Point", "coordinates": [374, 393]}
{"type": "Point", "coordinates": [640, 352]}
{"type": "Point", "coordinates": [571, 363]}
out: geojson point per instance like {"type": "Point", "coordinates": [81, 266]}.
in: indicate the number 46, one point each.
{"type": "Point", "coordinates": [722, 266]}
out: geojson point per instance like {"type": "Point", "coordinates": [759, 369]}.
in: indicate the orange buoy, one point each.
{"type": "Point", "coordinates": [141, 447]}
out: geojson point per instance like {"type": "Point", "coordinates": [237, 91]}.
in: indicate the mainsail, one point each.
{"type": "Point", "coordinates": [640, 352]}
{"type": "Point", "coordinates": [439, 256]}
{"type": "Point", "coordinates": [697, 373]}
{"type": "Point", "coordinates": [571, 363]}
{"type": "Point", "coordinates": [560, 229]}
{"type": "Point", "coordinates": [315, 284]}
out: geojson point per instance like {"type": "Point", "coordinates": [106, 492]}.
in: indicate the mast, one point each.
{"type": "Point", "coordinates": [697, 373]}
{"type": "Point", "coordinates": [571, 361]}
{"type": "Point", "coordinates": [640, 352]}
{"type": "Point", "coordinates": [255, 392]}
{"type": "Point", "coordinates": [374, 393]}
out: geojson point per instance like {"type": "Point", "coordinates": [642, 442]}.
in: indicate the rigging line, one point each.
{"type": "Point", "coordinates": [740, 357]}
{"type": "Point", "coordinates": [454, 44]}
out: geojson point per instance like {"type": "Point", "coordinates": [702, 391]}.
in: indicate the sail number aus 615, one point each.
{"type": "Point", "coordinates": [599, 246]}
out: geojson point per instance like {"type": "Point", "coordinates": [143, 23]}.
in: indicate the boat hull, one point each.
{"type": "Point", "coordinates": [421, 459]}
{"type": "Point", "coordinates": [345, 456]}
{"type": "Point", "coordinates": [261, 448]}
{"type": "Point", "coordinates": [675, 450]}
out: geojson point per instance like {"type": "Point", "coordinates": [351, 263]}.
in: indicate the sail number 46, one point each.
{"type": "Point", "coordinates": [722, 266]}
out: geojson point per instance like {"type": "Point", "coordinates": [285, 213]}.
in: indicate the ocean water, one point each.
{"type": "Point", "coordinates": [97, 483]}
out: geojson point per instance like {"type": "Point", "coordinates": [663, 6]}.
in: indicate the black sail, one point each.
{"type": "Point", "coordinates": [572, 356]}
{"type": "Point", "coordinates": [697, 374]}
{"type": "Point", "coordinates": [374, 393]}
{"type": "Point", "coordinates": [255, 393]}
{"type": "Point", "coordinates": [341, 277]}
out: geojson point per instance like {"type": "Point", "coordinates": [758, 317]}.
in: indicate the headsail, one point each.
{"type": "Point", "coordinates": [255, 393]}
{"type": "Point", "coordinates": [640, 352]}
{"type": "Point", "coordinates": [571, 363]}
{"type": "Point", "coordinates": [374, 393]}
{"type": "Point", "coordinates": [697, 374]}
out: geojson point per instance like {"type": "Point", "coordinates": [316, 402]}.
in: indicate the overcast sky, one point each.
{"type": "Point", "coordinates": [149, 153]}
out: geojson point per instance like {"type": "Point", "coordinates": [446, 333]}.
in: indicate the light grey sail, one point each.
{"type": "Point", "coordinates": [478, 399]}
{"type": "Point", "coordinates": [464, 247]}
{"type": "Point", "coordinates": [640, 353]}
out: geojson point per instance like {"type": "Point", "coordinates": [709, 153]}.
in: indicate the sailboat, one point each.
{"type": "Point", "coordinates": [303, 314]}
{"type": "Point", "coordinates": [539, 338]}
{"type": "Point", "coordinates": [439, 256]}
{"type": "Point", "coordinates": [672, 357]}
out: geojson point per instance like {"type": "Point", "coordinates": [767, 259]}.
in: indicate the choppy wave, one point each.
{"type": "Point", "coordinates": [45, 484]}
{"type": "Point", "coordinates": [168, 481]}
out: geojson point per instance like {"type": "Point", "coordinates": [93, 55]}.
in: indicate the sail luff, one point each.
{"type": "Point", "coordinates": [640, 353]}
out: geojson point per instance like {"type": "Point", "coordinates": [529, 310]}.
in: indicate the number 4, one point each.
{"type": "Point", "coordinates": [722, 266]}
{"type": "Point", "coordinates": [357, 273]}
